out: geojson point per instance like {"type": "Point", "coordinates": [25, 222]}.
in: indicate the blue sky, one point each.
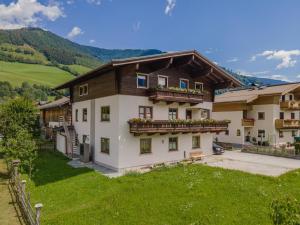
{"type": "Point", "coordinates": [255, 37]}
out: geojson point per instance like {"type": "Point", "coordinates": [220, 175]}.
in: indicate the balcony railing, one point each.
{"type": "Point", "coordinates": [171, 95]}
{"type": "Point", "coordinates": [140, 126]}
{"type": "Point", "coordinates": [292, 105]}
{"type": "Point", "coordinates": [247, 122]}
{"type": "Point", "coordinates": [287, 124]}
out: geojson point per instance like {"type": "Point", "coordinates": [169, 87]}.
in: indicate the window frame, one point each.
{"type": "Point", "coordinates": [238, 132]}
{"type": "Point", "coordinates": [186, 114]}
{"type": "Point", "coordinates": [107, 147]}
{"type": "Point", "coordinates": [262, 113]}
{"type": "Point", "coordinates": [147, 152]}
{"type": "Point", "coordinates": [198, 142]}
{"type": "Point", "coordinates": [145, 109]}
{"type": "Point", "coordinates": [173, 149]}
{"type": "Point", "coordinates": [201, 86]}
{"type": "Point", "coordinates": [167, 80]}
{"type": "Point", "coordinates": [172, 113]}
{"type": "Point", "coordinates": [293, 115]}
{"type": "Point", "coordinates": [294, 133]}
{"type": "Point", "coordinates": [183, 79]}
{"type": "Point", "coordinates": [84, 109]}
{"type": "Point", "coordinates": [281, 115]}
{"type": "Point", "coordinates": [76, 115]}
{"type": "Point", "coordinates": [147, 80]}
{"type": "Point", "coordinates": [102, 119]}
{"type": "Point", "coordinates": [82, 87]}
{"type": "Point", "coordinates": [280, 134]}
{"type": "Point", "coordinates": [227, 132]}
{"type": "Point", "coordinates": [264, 133]}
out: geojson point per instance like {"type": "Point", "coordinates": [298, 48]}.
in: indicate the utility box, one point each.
{"type": "Point", "coordinates": [85, 153]}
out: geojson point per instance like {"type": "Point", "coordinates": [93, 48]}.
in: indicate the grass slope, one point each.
{"type": "Point", "coordinates": [194, 194]}
{"type": "Point", "coordinates": [16, 73]}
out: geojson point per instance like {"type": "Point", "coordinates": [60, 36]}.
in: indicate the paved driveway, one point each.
{"type": "Point", "coordinates": [253, 163]}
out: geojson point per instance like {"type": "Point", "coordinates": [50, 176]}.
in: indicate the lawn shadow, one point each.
{"type": "Point", "coordinates": [52, 166]}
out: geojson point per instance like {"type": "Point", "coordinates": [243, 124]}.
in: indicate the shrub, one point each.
{"type": "Point", "coordinates": [285, 211]}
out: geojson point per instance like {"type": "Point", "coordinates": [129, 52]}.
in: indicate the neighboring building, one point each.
{"type": "Point", "coordinates": [128, 110]}
{"type": "Point", "coordinates": [54, 118]}
{"type": "Point", "coordinates": [264, 115]}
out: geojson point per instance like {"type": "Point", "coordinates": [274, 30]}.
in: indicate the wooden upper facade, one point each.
{"type": "Point", "coordinates": [177, 70]}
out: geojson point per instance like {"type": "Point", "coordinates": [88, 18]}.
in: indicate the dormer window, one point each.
{"type": "Point", "coordinates": [163, 81]}
{"type": "Point", "coordinates": [199, 86]}
{"type": "Point", "coordinates": [142, 81]}
{"type": "Point", "coordinates": [83, 90]}
{"type": "Point", "coordinates": [184, 84]}
{"type": "Point", "coordinates": [291, 97]}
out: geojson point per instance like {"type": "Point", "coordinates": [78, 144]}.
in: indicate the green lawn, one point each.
{"type": "Point", "coordinates": [16, 73]}
{"type": "Point", "coordinates": [194, 194]}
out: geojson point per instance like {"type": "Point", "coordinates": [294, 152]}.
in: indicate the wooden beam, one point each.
{"type": "Point", "coordinates": [137, 66]}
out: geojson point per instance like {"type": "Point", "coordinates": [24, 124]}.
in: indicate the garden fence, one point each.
{"type": "Point", "coordinates": [18, 186]}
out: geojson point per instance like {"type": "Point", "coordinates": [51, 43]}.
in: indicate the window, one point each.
{"type": "Point", "coordinates": [188, 114]}
{"type": "Point", "coordinates": [261, 133]}
{"type": "Point", "coordinates": [145, 145]}
{"type": "Point", "coordinates": [145, 112]}
{"type": "Point", "coordinates": [173, 144]}
{"type": "Point", "coordinates": [294, 133]}
{"type": "Point", "coordinates": [76, 115]}
{"type": "Point", "coordinates": [199, 86]}
{"type": "Point", "coordinates": [196, 142]}
{"type": "Point", "coordinates": [105, 113]}
{"type": "Point", "coordinates": [227, 132]}
{"type": "Point", "coordinates": [283, 98]}
{"type": "Point", "coordinates": [281, 134]}
{"type": "Point", "coordinates": [163, 81]}
{"type": "Point", "coordinates": [261, 115]}
{"type": "Point", "coordinates": [205, 114]}
{"type": "Point", "coordinates": [292, 115]}
{"type": "Point", "coordinates": [184, 84]}
{"type": "Point", "coordinates": [84, 138]}
{"type": "Point", "coordinates": [105, 145]}
{"type": "Point", "coordinates": [142, 81]}
{"type": "Point", "coordinates": [83, 90]}
{"type": "Point", "coordinates": [173, 114]}
{"type": "Point", "coordinates": [281, 115]}
{"type": "Point", "coordinates": [84, 114]}
{"type": "Point", "coordinates": [291, 97]}
{"type": "Point", "coordinates": [238, 132]}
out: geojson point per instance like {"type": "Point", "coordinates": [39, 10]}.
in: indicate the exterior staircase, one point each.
{"type": "Point", "coordinates": [72, 137]}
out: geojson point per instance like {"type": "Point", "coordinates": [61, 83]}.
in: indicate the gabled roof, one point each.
{"type": "Point", "coordinates": [250, 94]}
{"type": "Point", "coordinates": [58, 103]}
{"type": "Point", "coordinates": [121, 62]}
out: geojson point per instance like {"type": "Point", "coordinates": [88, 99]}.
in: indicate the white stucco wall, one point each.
{"type": "Point", "coordinates": [129, 151]}
{"type": "Point", "coordinates": [236, 123]}
{"type": "Point", "coordinates": [61, 143]}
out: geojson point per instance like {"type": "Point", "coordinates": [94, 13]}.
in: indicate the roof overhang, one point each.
{"type": "Point", "coordinates": [144, 59]}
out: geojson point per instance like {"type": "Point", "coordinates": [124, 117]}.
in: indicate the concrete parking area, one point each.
{"type": "Point", "coordinates": [253, 163]}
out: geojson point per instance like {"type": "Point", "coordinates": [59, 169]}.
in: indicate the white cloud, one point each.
{"type": "Point", "coordinates": [252, 74]}
{"type": "Point", "coordinates": [96, 2]}
{"type": "Point", "coordinates": [75, 32]}
{"type": "Point", "coordinates": [92, 41]}
{"type": "Point", "coordinates": [25, 13]}
{"type": "Point", "coordinates": [170, 7]}
{"type": "Point", "coordinates": [234, 59]}
{"type": "Point", "coordinates": [286, 57]}
{"type": "Point", "coordinates": [136, 26]}
{"type": "Point", "coordinates": [280, 77]}
{"type": "Point", "coordinates": [70, 2]}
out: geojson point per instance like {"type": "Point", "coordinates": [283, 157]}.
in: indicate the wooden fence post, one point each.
{"type": "Point", "coordinates": [38, 208]}
{"type": "Point", "coordinates": [15, 164]}
{"type": "Point", "coordinates": [23, 183]}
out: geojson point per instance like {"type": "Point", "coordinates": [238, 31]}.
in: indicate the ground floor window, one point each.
{"type": "Point", "coordinates": [281, 134]}
{"type": "Point", "coordinates": [238, 132]}
{"type": "Point", "coordinates": [145, 145]}
{"type": "Point", "coordinates": [261, 133]}
{"type": "Point", "coordinates": [227, 132]}
{"type": "Point", "coordinates": [105, 145]}
{"type": "Point", "coordinates": [173, 144]}
{"type": "Point", "coordinates": [196, 142]}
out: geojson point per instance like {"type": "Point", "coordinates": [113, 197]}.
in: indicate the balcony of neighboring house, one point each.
{"type": "Point", "coordinates": [150, 127]}
{"type": "Point", "coordinates": [248, 122]}
{"type": "Point", "coordinates": [287, 124]}
{"type": "Point", "coordinates": [171, 95]}
{"type": "Point", "coordinates": [290, 105]}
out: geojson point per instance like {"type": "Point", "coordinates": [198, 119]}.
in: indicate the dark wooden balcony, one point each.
{"type": "Point", "coordinates": [290, 105]}
{"type": "Point", "coordinates": [287, 124]}
{"type": "Point", "coordinates": [169, 95]}
{"type": "Point", "coordinates": [139, 127]}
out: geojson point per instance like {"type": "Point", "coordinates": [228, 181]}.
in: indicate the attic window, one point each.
{"type": "Point", "coordinates": [199, 86]}
{"type": "Point", "coordinates": [142, 80]}
{"type": "Point", "coordinates": [83, 90]}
